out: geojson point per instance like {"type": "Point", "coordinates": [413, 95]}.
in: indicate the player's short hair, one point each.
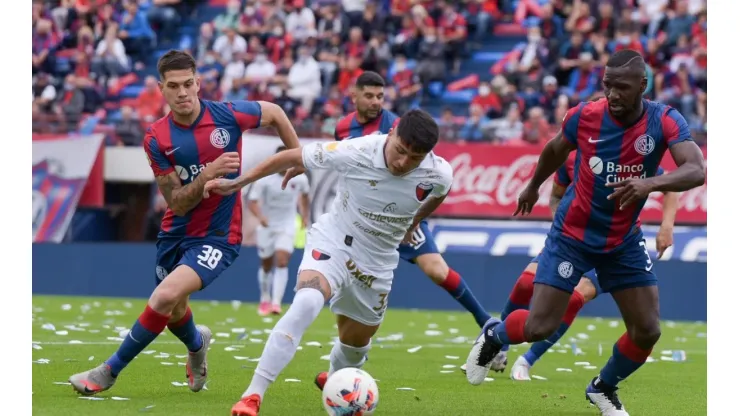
{"type": "Point", "coordinates": [280, 149]}
{"type": "Point", "coordinates": [369, 79]}
{"type": "Point", "coordinates": [175, 60]}
{"type": "Point", "coordinates": [628, 58]}
{"type": "Point", "coordinates": [418, 130]}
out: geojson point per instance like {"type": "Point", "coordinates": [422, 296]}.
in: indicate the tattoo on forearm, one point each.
{"type": "Point", "coordinates": [181, 198]}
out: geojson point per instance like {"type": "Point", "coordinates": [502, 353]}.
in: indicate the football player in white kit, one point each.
{"type": "Point", "coordinates": [275, 208]}
{"type": "Point", "coordinates": [389, 184]}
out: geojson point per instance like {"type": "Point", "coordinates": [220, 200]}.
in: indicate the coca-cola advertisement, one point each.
{"type": "Point", "coordinates": [488, 179]}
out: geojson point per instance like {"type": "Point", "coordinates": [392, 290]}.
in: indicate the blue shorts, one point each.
{"type": "Point", "coordinates": [209, 258]}
{"type": "Point", "coordinates": [590, 275]}
{"type": "Point", "coordinates": [425, 244]}
{"type": "Point", "coordinates": [563, 261]}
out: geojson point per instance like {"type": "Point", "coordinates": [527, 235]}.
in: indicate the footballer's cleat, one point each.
{"type": "Point", "coordinates": [605, 398]}
{"type": "Point", "coordinates": [264, 309]}
{"type": "Point", "coordinates": [247, 406]}
{"type": "Point", "coordinates": [320, 380]}
{"type": "Point", "coordinates": [94, 381]}
{"type": "Point", "coordinates": [276, 309]}
{"type": "Point", "coordinates": [196, 368]}
{"type": "Point", "coordinates": [499, 362]}
{"type": "Point", "coordinates": [482, 354]}
{"type": "Point", "coordinates": [520, 370]}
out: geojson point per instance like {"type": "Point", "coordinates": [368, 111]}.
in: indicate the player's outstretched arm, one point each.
{"type": "Point", "coordinates": [664, 239]}
{"type": "Point", "coordinates": [691, 171]}
{"type": "Point", "coordinates": [553, 155]}
{"type": "Point", "coordinates": [273, 115]}
{"type": "Point", "coordinates": [278, 162]}
{"type": "Point", "coordinates": [181, 199]}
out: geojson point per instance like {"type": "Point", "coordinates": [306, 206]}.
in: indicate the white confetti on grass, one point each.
{"type": "Point", "coordinates": [590, 367]}
{"type": "Point", "coordinates": [432, 333]}
{"type": "Point", "coordinates": [414, 349]}
{"type": "Point", "coordinates": [62, 383]}
{"type": "Point", "coordinates": [446, 371]}
{"type": "Point", "coordinates": [166, 363]}
{"type": "Point", "coordinates": [313, 344]}
{"type": "Point", "coordinates": [564, 370]}
{"type": "Point", "coordinates": [292, 380]}
{"type": "Point", "coordinates": [66, 307]}
{"type": "Point", "coordinates": [62, 332]}
{"type": "Point", "coordinates": [179, 384]}
{"type": "Point", "coordinates": [405, 389]}
{"type": "Point", "coordinates": [536, 377]}
{"type": "Point", "coordinates": [583, 363]}
{"type": "Point", "coordinates": [326, 357]}
{"type": "Point", "coordinates": [449, 366]}
{"type": "Point", "coordinates": [42, 361]}
{"type": "Point", "coordinates": [452, 357]}
{"type": "Point", "coordinates": [488, 379]}
{"type": "Point", "coordinates": [119, 399]}
{"type": "Point", "coordinates": [91, 398]}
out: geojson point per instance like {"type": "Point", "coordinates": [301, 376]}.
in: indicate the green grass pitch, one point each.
{"type": "Point", "coordinates": [73, 334]}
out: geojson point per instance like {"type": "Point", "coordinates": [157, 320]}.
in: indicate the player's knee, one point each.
{"type": "Point", "coordinates": [281, 259]}
{"type": "Point", "coordinates": [165, 298]}
{"type": "Point", "coordinates": [587, 289]}
{"type": "Point", "coordinates": [434, 267]}
{"type": "Point", "coordinates": [645, 336]}
{"type": "Point", "coordinates": [267, 264]}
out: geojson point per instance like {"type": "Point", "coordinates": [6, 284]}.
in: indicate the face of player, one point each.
{"type": "Point", "coordinates": [368, 101]}
{"type": "Point", "coordinates": [399, 158]}
{"type": "Point", "coordinates": [180, 89]}
{"type": "Point", "coordinates": [623, 88]}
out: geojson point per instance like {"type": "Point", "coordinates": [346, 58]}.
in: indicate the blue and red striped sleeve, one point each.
{"type": "Point", "coordinates": [675, 127]}
{"type": "Point", "coordinates": [564, 174]}
{"type": "Point", "coordinates": [570, 123]}
{"type": "Point", "coordinates": [341, 130]}
{"type": "Point", "coordinates": [248, 114]}
{"type": "Point", "coordinates": [157, 160]}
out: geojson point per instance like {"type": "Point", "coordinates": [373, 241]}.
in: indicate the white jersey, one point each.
{"type": "Point", "coordinates": [375, 208]}
{"type": "Point", "coordinates": [279, 206]}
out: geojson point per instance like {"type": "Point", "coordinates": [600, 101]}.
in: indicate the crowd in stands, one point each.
{"type": "Point", "coordinates": [306, 54]}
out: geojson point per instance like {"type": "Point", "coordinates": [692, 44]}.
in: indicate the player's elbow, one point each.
{"type": "Point", "coordinates": [272, 114]}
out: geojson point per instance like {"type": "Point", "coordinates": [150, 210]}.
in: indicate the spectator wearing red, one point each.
{"type": "Point", "coordinates": [355, 48]}
{"type": "Point", "coordinates": [453, 32]}
{"type": "Point", "coordinates": [348, 75]}
{"type": "Point", "coordinates": [149, 102]}
{"type": "Point", "coordinates": [488, 101]}
{"type": "Point", "coordinates": [536, 129]}
{"type": "Point", "coordinates": [568, 56]}
{"type": "Point", "coordinates": [407, 85]}
{"type": "Point", "coordinates": [44, 43]}
{"type": "Point", "coordinates": [606, 21]}
{"type": "Point", "coordinates": [580, 18]}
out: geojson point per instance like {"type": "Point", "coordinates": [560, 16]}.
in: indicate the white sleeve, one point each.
{"type": "Point", "coordinates": [444, 183]}
{"type": "Point", "coordinates": [328, 155]}
{"type": "Point", "coordinates": [305, 187]}
{"type": "Point", "coordinates": [255, 193]}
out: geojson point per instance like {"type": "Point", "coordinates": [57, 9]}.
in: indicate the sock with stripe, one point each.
{"type": "Point", "coordinates": [458, 289]}
{"type": "Point", "coordinates": [538, 349]}
{"type": "Point", "coordinates": [626, 358]}
{"type": "Point", "coordinates": [519, 297]}
{"type": "Point", "coordinates": [185, 330]}
{"type": "Point", "coordinates": [149, 325]}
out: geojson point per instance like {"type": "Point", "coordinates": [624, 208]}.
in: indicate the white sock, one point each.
{"type": "Point", "coordinates": [283, 341]}
{"type": "Point", "coordinates": [343, 356]}
{"type": "Point", "coordinates": [264, 281]}
{"type": "Point", "coordinates": [279, 283]}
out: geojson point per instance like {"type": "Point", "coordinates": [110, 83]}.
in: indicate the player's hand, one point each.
{"type": "Point", "coordinates": [527, 199]}
{"type": "Point", "coordinates": [226, 164]}
{"type": "Point", "coordinates": [663, 240]}
{"type": "Point", "coordinates": [292, 173]}
{"type": "Point", "coordinates": [410, 237]}
{"type": "Point", "coordinates": [628, 191]}
{"type": "Point", "coordinates": [263, 221]}
{"type": "Point", "coordinates": [220, 186]}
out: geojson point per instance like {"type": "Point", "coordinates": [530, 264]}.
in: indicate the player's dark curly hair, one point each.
{"type": "Point", "coordinates": [418, 130]}
{"type": "Point", "coordinates": [175, 60]}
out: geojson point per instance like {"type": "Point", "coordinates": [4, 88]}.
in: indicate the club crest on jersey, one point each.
{"type": "Point", "coordinates": [220, 138]}
{"type": "Point", "coordinates": [644, 145]}
{"type": "Point", "coordinates": [423, 190]}
{"type": "Point", "coordinates": [332, 146]}
{"type": "Point", "coordinates": [317, 255]}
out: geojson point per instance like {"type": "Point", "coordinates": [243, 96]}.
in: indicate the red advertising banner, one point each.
{"type": "Point", "coordinates": [488, 179]}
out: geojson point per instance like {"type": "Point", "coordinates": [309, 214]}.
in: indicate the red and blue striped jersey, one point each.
{"type": "Point", "coordinates": [606, 152]}
{"type": "Point", "coordinates": [187, 150]}
{"type": "Point", "coordinates": [564, 174]}
{"type": "Point", "coordinates": [348, 127]}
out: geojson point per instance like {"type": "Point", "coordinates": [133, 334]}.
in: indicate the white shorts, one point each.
{"type": "Point", "coordinates": [270, 240]}
{"type": "Point", "coordinates": [356, 293]}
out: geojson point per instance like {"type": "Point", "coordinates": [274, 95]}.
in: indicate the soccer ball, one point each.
{"type": "Point", "coordinates": [350, 392]}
